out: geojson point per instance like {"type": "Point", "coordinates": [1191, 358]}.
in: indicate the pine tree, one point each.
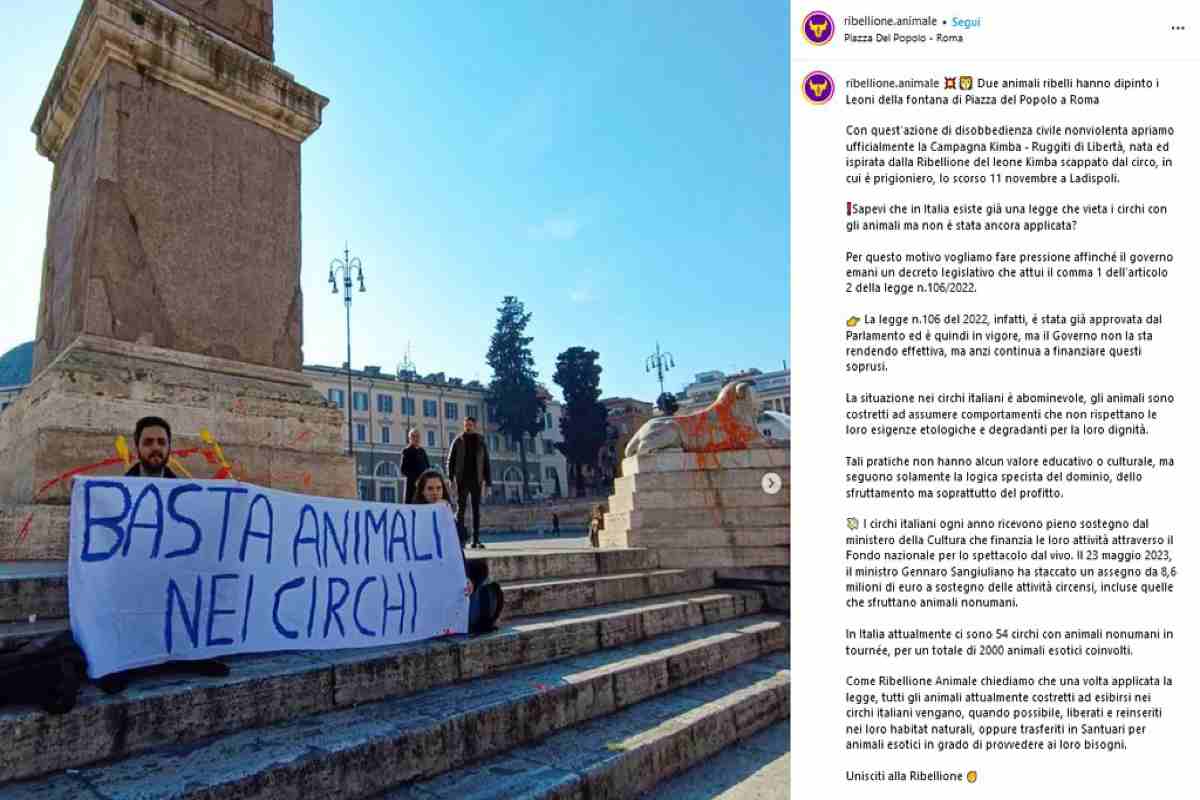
{"type": "Point", "coordinates": [584, 419]}
{"type": "Point", "coordinates": [514, 396]}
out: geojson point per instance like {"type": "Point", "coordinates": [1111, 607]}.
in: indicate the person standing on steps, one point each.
{"type": "Point", "coordinates": [470, 470]}
{"type": "Point", "coordinates": [414, 461]}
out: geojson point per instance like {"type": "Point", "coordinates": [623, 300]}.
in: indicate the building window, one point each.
{"type": "Point", "coordinates": [472, 411]}
{"type": "Point", "coordinates": [360, 401]}
{"type": "Point", "coordinates": [431, 438]}
{"type": "Point", "coordinates": [491, 413]}
{"type": "Point", "coordinates": [493, 442]}
{"type": "Point", "coordinates": [360, 432]}
{"type": "Point", "coordinates": [337, 397]}
{"type": "Point", "coordinates": [364, 490]}
{"type": "Point", "coordinates": [549, 422]}
{"type": "Point", "coordinates": [548, 447]}
{"type": "Point", "coordinates": [385, 434]}
{"type": "Point", "coordinates": [451, 410]}
{"type": "Point", "coordinates": [429, 407]}
{"type": "Point", "coordinates": [384, 403]}
{"type": "Point", "coordinates": [451, 434]}
{"type": "Point", "coordinates": [387, 493]}
{"type": "Point", "coordinates": [408, 406]}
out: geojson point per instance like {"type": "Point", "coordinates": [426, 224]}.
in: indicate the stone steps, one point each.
{"type": "Point", "coordinates": [739, 518]}
{"type": "Point", "coordinates": [685, 557]}
{"type": "Point", "coordinates": [698, 480]}
{"type": "Point", "coordinates": [765, 536]}
{"type": "Point", "coordinates": [632, 750]}
{"type": "Point", "coordinates": [758, 768]}
{"type": "Point", "coordinates": [682, 499]}
{"type": "Point", "coordinates": [264, 689]}
{"type": "Point", "coordinates": [33, 587]}
{"type": "Point", "coordinates": [360, 751]}
{"type": "Point", "coordinates": [766, 458]}
{"type": "Point", "coordinates": [40, 587]}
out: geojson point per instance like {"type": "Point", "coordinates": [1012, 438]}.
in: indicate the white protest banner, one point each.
{"type": "Point", "coordinates": [175, 569]}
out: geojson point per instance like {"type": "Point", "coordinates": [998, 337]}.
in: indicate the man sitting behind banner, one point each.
{"type": "Point", "coordinates": [152, 440]}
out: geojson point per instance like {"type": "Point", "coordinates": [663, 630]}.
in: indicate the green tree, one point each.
{"type": "Point", "coordinates": [514, 396]}
{"type": "Point", "coordinates": [584, 419]}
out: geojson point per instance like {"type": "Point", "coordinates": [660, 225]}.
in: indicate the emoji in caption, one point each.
{"type": "Point", "coordinates": [850, 323]}
{"type": "Point", "coordinates": [852, 523]}
{"type": "Point", "coordinates": [972, 776]}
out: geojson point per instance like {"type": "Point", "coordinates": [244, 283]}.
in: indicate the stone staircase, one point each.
{"type": "Point", "coordinates": [609, 674]}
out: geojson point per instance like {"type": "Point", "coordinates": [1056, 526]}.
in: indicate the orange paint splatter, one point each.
{"type": "Point", "coordinates": [716, 430]}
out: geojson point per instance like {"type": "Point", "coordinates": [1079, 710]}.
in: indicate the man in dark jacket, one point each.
{"type": "Point", "coordinates": [152, 440]}
{"type": "Point", "coordinates": [413, 461]}
{"type": "Point", "coordinates": [470, 469]}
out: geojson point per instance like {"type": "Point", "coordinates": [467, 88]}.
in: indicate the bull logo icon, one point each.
{"type": "Point", "coordinates": [818, 87]}
{"type": "Point", "coordinates": [817, 28]}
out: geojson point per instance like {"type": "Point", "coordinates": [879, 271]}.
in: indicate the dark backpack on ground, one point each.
{"type": "Point", "coordinates": [46, 672]}
{"type": "Point", "coordinates": [487, 601]}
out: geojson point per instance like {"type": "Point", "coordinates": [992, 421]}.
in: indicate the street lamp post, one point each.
{"type": "Point", "coordinates": [661, 362]}
{"type": "Point", "coordinates": [346, 266]}
{"type": "Point", "coordinates": [405, 370]}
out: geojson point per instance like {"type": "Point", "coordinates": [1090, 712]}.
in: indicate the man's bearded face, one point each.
{"type": "Point", "coordinates": [154, 447]}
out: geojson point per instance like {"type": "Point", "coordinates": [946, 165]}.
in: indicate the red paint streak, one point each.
{"type": "Point", "coordinates": [25, 527]}
{"type": "Point", "coordinates": [77, 471]}
{"type": "Point", "coordinates": [302, 436]}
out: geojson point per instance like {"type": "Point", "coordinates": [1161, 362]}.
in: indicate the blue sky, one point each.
{"type": "Point", "coordinates": [621, 167]}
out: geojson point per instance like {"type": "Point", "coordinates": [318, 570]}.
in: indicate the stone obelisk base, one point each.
{"type": "Point", "coordinates": [255, 424]}
{"type": "Point", "coordinates": [704, 510]}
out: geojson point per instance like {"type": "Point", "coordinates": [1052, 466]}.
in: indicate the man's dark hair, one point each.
{"type": "Point", "coordinates": [471, 419]}
{"type": "Point", "coordinates": [150, 422]}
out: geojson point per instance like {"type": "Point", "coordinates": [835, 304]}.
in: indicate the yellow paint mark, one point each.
{"type": "Point", "coordinates": [123, 451]}
{"type": "Point", "coordinates": [208, 439]}
{"type": "Point", "coordinates": [175, 465]}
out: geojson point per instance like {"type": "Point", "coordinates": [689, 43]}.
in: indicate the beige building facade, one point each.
{"type": "Point", "coordinates": [380, 408]}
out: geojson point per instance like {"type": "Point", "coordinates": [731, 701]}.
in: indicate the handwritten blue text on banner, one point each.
{"type": "Point", "coordinates": [171, 569]}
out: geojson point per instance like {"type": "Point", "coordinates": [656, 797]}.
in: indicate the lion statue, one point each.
{"type": "Point", "coordinates": [727, 424]}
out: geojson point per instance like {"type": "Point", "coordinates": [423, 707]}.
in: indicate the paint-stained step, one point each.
{"type": "Point", "coordinates": [633, 750]}
{"type": "Point", "coordinates": [361, 751]}
{"type": "Point", "coordinates": [266, 689]}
